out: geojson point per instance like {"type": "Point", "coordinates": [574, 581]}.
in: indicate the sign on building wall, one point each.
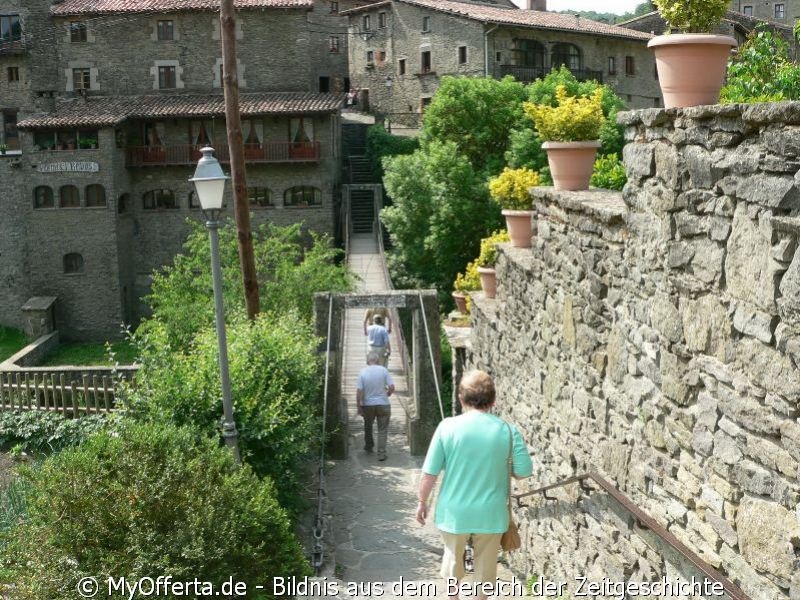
{"type": "Point", "coordinates": [69, 167]}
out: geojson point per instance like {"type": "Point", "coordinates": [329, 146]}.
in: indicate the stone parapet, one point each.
{"type": "Point", "coordinates": [654, 335]}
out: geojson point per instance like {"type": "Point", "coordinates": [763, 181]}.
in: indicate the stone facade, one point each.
{"type": "Point", "coordinates": [654, 336]}
{"type": "Point", "coordinates": [118, 241]}
{"type": "Point", "coordinates": [783, 11]}
{"type": "Point", "coordinates": [457, 44]}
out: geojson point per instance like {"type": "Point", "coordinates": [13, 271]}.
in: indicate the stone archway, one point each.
{"type": "Point", "coordinates": [422, 386]}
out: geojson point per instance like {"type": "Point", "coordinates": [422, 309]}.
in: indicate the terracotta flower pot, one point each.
{"type": "Point", "coordinates": [518, 223]}
{"type": "Point", "coordinates": [461, 302]}
{"type": "Point", "coordinates": [691, 67]}
{"type": "Point", "coordinates": [571, 163]}
{"type": "Point", "coordinates": [488, 281]}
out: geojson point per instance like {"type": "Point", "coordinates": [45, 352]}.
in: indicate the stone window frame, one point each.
{"type": "Point", "coordinates": [747, 10]}
{"type": "Point", "coordinates": [84, 32]}
{"type": "Point", "coordinates": [462, 54]}
{"type": "Point", "coordinates": [68, 187]}
{"type": "Point", "coordinates": [43, 198]}
{"type": "Point", "coordinates": [155, 72]}
{"type": "Point", "coordinates": [382, 20]}
{"type": "Point", "coordinates": [159, 199]}
{"type": "Point", "coordinates": [216, 31]}
{"type": "Point", "coordinates": [257, 194]}
{"type": "Point", "coordinates": [630, 65]}
{"type": "Point", "coordinates": [401, 66]}
{"type": "Point", "coordinates": [365, 22]}
{"type": "Point", "coordinates": [74, 65]}
{"type": "Point", "coordinates": [218, 83]}
{"type": "Point", "coordinates": [10, 17]}
{"type": "Point", "coordinates": [302, 196]}
{"type": "Point", "coordinates": [780, 11]}
{"type": "Point", "coordinates": [612, 65]}
{"type": "Point", "coordinates": [12, 74]}
{"type": "Point", "coordinates": [154, 33]}
{"type": "Point", "coordinates": [95, 195]}
{"type": "Point", "coordinates": [566, 50]}
{"type": "Point", "coordinates": [73, 263]}
{"type": "Point", "coordinates": [334, 44]}
{"type": "Point", "coordinates": [426, 24]}
{"type": "Point", "coordinates": [334, 6]}
{"type": "Point", "coordinates": [425, 66]}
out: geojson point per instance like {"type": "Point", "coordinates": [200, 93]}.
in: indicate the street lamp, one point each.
{"type": "Point", "coordinates": [388, 83]}
{"type": "Point", "coordinates": [209, 184]}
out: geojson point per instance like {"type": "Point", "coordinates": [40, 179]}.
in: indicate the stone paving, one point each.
{"type": "Point", "coordinates": [372, 534]}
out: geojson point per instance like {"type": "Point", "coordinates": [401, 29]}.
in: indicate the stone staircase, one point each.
{"type": "Point", "coordinates": [360, 170]}
{"type": "Point", "coordinates": [362, 210]}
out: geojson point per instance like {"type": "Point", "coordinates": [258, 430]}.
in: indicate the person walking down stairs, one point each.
{"type": "Point", "coordinates": [373, 388]}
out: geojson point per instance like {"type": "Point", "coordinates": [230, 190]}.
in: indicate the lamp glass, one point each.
{"type": "Point", "coordinates": [209, 181]}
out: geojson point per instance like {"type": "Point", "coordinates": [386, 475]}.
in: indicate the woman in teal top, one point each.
{"type": "Point", "coordinates": [472, 450]}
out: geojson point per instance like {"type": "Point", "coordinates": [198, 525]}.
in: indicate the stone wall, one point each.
{"type": "Point", "coordinates": [654, 336]}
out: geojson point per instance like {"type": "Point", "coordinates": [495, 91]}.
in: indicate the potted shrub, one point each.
{"type": "Point", "coordinates": [3, 148]}
{"type": "Point", "coordinates": [571, 132]}
{"type": "Point", "coordinates": [691, 65]}
{"type": "Point", "coordinates": [486, 260]}
{"type": "Point", "coordinates": [87, 143]}
{"type": "Point", "coordinates": [468, 281]}
{"type": "Point", "coordinates": [511, 190]}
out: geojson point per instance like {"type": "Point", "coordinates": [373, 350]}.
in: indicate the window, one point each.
{"type": "Point", "coordinates": [166, 78]}
{"type": "Point", "coordinates": [566, 54]}
{"type": "Point", "coordinates": [165, 31]}
{"type": "Point", "coordinates": [780, 11]}
{"type": "Point", "coordinates": [73, 263]}
{"type": "Point", "coordinates": [158, 199]}
{"type": "Point", "coordinates": [69, 197]}
{"type": "Point", "coordinates": [498, 56]}
{"type": "Point", "coordinates": [324, 84]}
{"type": "Point", "coordinates": [370, 57]}
{"type": "Point", "coordinates": [13, 74]}
{"type": "Point", "coordinates": [302, 195]}
{"type": "Point", "coordinates": [95, 195]}
{"type": "Point", "coordinates": [9, 133]}
{"type": "Point", "coordinates": [629, 66]}
{"type": "Point", "coordinates": [259, 197]}
{"type": "Point", "coordinates": [123, 203]}
{"type": "Point", "coordinates": [424, 103]}
{"type": "Point", "coordinates": [334, 4]}
{"type": "Point", "coordinates": [748, 10]}
{"type": "Point", "coordinates": [77, 31]}
{"type": "Point", "coordinates": [380, 57]}
{"type": "Point", "coordinates": [43, 197]}
{"type": "Point", "coordinates": [10, 28]}
{"type": "Point", "coordinates": [462, 55]}
{"type": "Point", "coordinates": [401, 66]}
{"type": "Point", "coordinates": [426, 24]}
{"type": "Point", "coordinates": [425, 62]}
{"type": "Point", "coordinates": [612, 65]}
{"type": "Point", "coordinates": [193, 201]}
{"type": "Point", "coordinates": [656, 101]}
{"type": "Point", "coordinates": [366, 22]}
{"type": "Point", "coordinates": [334, 43]}
{"type": "Point", "coordinates": [381, 20]}
{"type": "Point", "coordinates": [301, 130]}
{"type": "Point", "coordinates": [529, 53]}
{"type": "Point", "coordinates": [81, 79]}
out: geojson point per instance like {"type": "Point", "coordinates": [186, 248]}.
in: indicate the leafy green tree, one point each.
{"type": "Point", "coordinates": [289, 273]}
{"type": "Point", "coordinates": [441, 210]}
{"type": "Point", "coordinates": [152, 500]}
{"type": "Point", "coordinates": [476, 114]}
{"type": "Point", "coordinates": [382, 144]}
{"type": "Point", "coordinates": [761, 70]}
{"type": "Point", "coordinates": [275, 383]}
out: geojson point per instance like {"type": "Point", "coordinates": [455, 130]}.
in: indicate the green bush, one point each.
{"type": "Point", "coordinates": [381, 144]}
{"type": "Point", "coordinates": [609, 173]}
{"type": "Point", "coordinates": [761, 70]}
{"type": "Point", "coordinates": [275, 382]}
{"type": "Point", "coordinates": [38, 432]}
{"type": "Point", "coordinates": [154, 500]}
{"type": "Point", "coordinates": [694, 16]}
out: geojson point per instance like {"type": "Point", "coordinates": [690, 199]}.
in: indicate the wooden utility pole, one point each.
{"type": "Point", "coordinates": [233, 123]}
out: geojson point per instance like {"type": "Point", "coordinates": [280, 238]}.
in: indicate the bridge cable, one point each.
{"type": "Point", "coordinates": [430, 352]}
{"type": "Point", "coordinates": [317, 553]}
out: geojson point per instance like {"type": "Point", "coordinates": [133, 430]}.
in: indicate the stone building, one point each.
{"type": "Point", "coordinates": [399, 50]}
{"type": "Point", "coordinates": [106, 103]}
{"type": "Point", "coordinates": [782, 11]}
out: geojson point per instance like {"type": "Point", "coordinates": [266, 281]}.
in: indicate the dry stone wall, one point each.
{"type": "Point", "coordinates": [654, 336]}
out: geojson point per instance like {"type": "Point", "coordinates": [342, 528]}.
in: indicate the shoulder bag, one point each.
{"type": "Point", "coordinates": [510, 540]}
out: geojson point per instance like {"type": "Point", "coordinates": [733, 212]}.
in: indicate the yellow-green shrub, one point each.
{"type": "Point", "coordinates": [488, 255]}
{"type": "Point", "coordinates": [694, 16]}
{"type": "Point", "coordinates": [510, 188]}
{"type": "Point", "coordinates": [573, 120]}
{"type": "Point", "coordinates": [469, 280]}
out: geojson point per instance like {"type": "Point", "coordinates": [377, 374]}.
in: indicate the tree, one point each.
{"type": "Point", "coordinates": [476, 114]}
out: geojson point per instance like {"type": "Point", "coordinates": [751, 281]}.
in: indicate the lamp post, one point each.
{"type": "Point", "coordinates": [209, 183]}
{"type": "Point", "coordinates": [388, 83]}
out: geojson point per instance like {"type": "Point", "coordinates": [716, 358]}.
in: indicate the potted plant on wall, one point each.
{"type": "Point", "coordinates": [465, 282]}
{"type": "Point", "coordinates": [511, 190]}
{"type": "Point", "coordinates": [571, 132]}
{"type": "Point", "coordinates": [691, 65]}
{"type": "Point", "coordinates": [486, 261]}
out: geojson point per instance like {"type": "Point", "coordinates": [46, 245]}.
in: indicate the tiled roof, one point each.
{"type": "Point", "coordinates": [107, 7]}
{"type": "Point", "coordinates": [111, 111]}
{"type": "Point", "coordinates": [522, 18]}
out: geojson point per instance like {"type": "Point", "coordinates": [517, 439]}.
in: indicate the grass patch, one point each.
{"type": "Point", "coordinates": [11, 342]}
{"type": "Point", "coordinates": [91, 354]}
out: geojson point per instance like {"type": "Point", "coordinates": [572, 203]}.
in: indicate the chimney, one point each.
{"type": "Point", "coordinates": [536, 4]}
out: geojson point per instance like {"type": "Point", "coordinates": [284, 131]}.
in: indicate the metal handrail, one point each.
{"type": "Point", "coordinates": [645, 521]}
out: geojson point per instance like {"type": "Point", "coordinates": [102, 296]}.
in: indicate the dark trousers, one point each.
{"type": "Point", "coordinates": [381, 412]}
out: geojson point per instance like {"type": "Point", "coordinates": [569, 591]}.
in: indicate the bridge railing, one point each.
{"type": "Point", "coordinates": [645, 521]}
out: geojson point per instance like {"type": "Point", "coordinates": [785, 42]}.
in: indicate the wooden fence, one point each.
{"type": "Point", "coordinates": [51, 391]}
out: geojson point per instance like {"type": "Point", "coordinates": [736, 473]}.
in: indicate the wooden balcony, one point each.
{"type": "Point", "coordinates": [528, 74]}
{"type": "Point", "coordinates": [14, 46]}
{"type": "Point", "coordinates": [189, 154]}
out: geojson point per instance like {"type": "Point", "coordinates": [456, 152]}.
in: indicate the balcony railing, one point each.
{"type": "Point", "coordinates": [528, 74]}
{"type": "Point", "coordinates": [189, 154]}
{"type": "Point", "coordinates": [14, 46]}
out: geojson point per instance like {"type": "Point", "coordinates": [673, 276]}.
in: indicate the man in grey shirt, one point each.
{"type": "Point", "coordinates": [373, 388]}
